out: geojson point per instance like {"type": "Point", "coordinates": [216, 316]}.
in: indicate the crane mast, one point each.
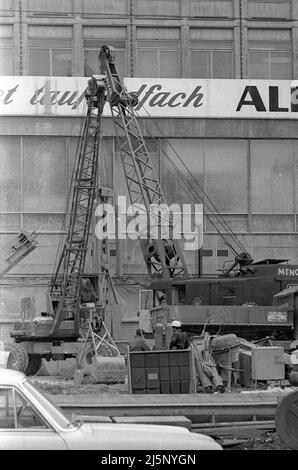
{"type": "Point", "coordinates": [66, 283]}
{"type": "Point", "coordinates": [163, 255]}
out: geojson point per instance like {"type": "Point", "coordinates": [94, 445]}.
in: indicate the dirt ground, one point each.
{"type": "Point", "coordinates": [54, 385]}
{"type": "Point", "coordinates": [269, 441]}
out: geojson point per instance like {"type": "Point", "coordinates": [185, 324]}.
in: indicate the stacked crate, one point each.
{"type": "Point", "coordinates": [161, 372]}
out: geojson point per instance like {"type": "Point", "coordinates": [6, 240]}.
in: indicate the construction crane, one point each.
{"type": "Point", "coordinates": [242, 283]}
{"type": "Point", "coordinates": [71, 328]}
{"type": "Point", "coordinates": [163, 255]}
{"type": "Point", "coordinates": [59, 333]}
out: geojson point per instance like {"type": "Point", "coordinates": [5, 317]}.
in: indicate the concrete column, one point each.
{"type": "Point", "coordinates": [244, 50]}
{"type": "Point", "coordinates": [295, 51]}
{"type": "Point", "coordinates": [185, 50]}
{"type": "Point", "coordinates": [25, 48]}
{"type": "Point", "coordinates": [237, 51]}
{"type": "Point", "coordinates": [295, 10]}
{"type": "Point", "coordinates": [295, 38]}
{"type": "Point", "coordinates": [16, 39]}
{"type": "Point", "coordinates": [78, 43]}
{"type": "Point", "coordinates": [243, 35]}
{"type": "Point", "coordinates": [78, 49]}
{"type": "Point", "coordinates": [131, 40]}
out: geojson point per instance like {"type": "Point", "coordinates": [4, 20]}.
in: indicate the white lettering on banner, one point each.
{"type": "Point", "coordinates": [6, 95]}
{"type": "Point", "coordinates": [287, 272]}
{"type": "Point", "coordinates": [183, 98]}
{"type": "Point", "coordinates": [70, 98]}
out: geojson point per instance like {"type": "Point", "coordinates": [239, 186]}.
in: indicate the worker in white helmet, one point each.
{"type": "Point", "coordinates": [179, 338]}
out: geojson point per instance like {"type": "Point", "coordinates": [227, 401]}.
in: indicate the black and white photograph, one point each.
{"type": "Point", "coordinates": [148, 229]}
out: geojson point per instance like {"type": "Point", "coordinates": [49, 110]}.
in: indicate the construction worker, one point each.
{"type": "Point", "coordinates": [88, 293]}
{"type": "Point", "coordinates": [205, 366]}
{"type": "Point", "coordinates": [179, 338]}
{"type": "Point", "coordinates": [139, 343]}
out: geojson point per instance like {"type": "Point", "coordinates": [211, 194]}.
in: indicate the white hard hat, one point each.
{"type": "Point", "coordinates": [176, 324]}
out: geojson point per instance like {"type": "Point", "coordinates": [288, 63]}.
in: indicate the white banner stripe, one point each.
{"type": "Point", "coordinates": [186, 98]}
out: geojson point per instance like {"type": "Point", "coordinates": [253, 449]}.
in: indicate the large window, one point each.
{"type": "Point", "coordinates": [158, 58]}
{"type": "Point", "coordinates": [272, 60]}
{"type": "Point", "coordinates": [216, 175]}
{"type": "Point", "coordinates": [10, 174]}
{"type": "Point", "coordinates": [50, 57]}
{"type": "Point", "coordinates": [273, 9]}
{"type": "Point", "coordinates": [91, 52]}
{"type": "Point", "coordinates": [6, 57]}
{"type": "Point", "coordinates": [272, 180]}
{"type": "Point", "coordinates": [44, 175]}
{"type": "Point", "coordinates": [218, 167]}
{"type": "Point", "coordinates": [16, 412]}
{"type": "Point", "coordinates": [182, 163]}
{"type": "Point", "coordinates": [212, 59]}
{"type": "Point", "coordinates": [33, 180]}
{"type": "Point", "coordinates": [226, 175]}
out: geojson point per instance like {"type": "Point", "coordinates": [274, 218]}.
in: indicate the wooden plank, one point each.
{"type": "Point", "coordinates": [168, 399]}
{"type": "Point", "coordinates": [243, 431]}
{"type": "Point", "coordinates": [260, 424]}
{"type": "Point", "coordinates": [165, 420]}
{"type": "Point", "coordinates": [196, 414]}
{"type": "Point", "coordinates": [206, 409]}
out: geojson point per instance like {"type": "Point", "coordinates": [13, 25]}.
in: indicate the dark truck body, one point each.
{"type": "Point", "coordinates": [241, 304]}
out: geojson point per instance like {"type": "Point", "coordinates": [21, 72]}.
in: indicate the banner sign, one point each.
{"type": "Point", "coordinates": [160, 97]}
{"type": "Point", "coordinates": [286, 272]}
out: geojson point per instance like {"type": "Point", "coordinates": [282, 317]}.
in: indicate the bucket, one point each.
{"type": "Point", "coordinates": [101, 369]}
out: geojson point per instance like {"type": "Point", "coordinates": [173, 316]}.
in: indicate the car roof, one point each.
{"type": "Point", "coordinates": [11, 377]}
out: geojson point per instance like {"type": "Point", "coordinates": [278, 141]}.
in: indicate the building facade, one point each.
{"type": "Point", "coordinates": [247, 166]}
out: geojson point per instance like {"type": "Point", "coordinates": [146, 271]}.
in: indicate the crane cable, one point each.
{"type": "Point", "coordinates": [213, 209]}
{"type": "Point", "coordinates": [193, 189]}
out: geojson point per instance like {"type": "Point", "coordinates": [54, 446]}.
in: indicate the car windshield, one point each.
{"type": "Point", "coordinates": [47, 406]}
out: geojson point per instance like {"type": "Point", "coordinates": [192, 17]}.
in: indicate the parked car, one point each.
{"type": "Point", "coordinates": [29, 420]}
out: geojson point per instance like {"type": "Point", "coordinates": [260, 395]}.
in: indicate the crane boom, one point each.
{"type": "Point", "coordinates": [163, 255]}
{"type": "Point", "coordinates": [23, 245]}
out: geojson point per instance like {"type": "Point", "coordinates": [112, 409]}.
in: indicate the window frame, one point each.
{"type": "Point", "coordinates": [258, 46]}
{"type": "Point", "coordinates": [210, 59]}
{"type": "Point", "coordinates": [111, 42]}
{"type": "Point", "coordinates": [49, 48]}
{"type": "Point", "coordinates": [15, 393]}
{"type": "Point", "coordinates": [6, 43]}
{"type": "Point", "coordinates": [142, 47]}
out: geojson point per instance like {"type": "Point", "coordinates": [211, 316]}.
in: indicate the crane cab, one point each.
{"type": "Point", "coordinates": [255, 284]}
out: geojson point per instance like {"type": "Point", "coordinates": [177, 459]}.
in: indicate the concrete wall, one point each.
{"type": "Point", "coordinates": [265, 232]}
{"type": "Point", "coordinates": [130, 20]}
